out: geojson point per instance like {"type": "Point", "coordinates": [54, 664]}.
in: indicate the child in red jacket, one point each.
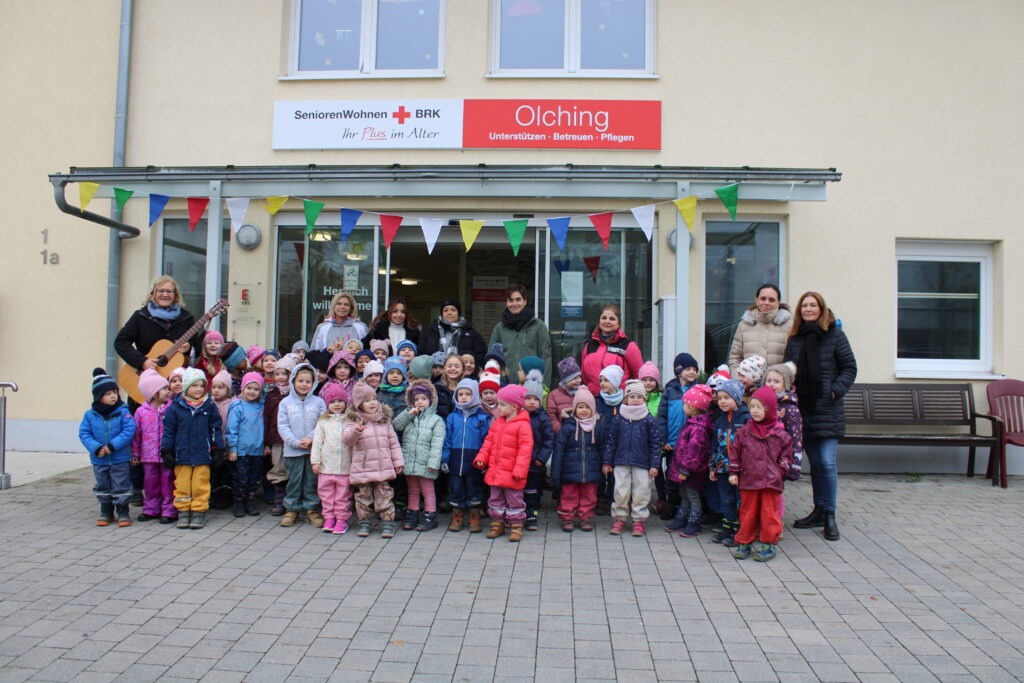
{"type": "Point", "coordinates": [506, 454]}
{"type": "Point", "coordinates": [760, 457]}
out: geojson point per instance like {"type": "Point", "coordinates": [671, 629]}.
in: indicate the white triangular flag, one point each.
{"type": "Point", "coordinates": [644, 215]}
{"type": "Point", "coordinates": [237, 208]}
{"type": "Point", "coordinates": [431, 229]}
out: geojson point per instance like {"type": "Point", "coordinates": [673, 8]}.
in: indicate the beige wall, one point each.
{"type": "Point", "coordinates": [916, 102]}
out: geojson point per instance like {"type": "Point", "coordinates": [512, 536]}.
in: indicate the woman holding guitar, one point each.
{"type": "Point", "coordinates": [162, 316]}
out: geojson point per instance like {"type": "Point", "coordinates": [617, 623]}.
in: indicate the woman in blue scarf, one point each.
{"type": "Point", "coordinates": [162, 316]}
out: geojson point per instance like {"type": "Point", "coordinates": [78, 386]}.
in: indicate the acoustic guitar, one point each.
{"type": "Point", "coordinates": [167, 354]}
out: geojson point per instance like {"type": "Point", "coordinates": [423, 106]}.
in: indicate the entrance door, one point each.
{"type": "Point", "coordinates": [476, 278]}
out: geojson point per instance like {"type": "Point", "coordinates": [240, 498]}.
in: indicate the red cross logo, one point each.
{"type": "Point", "coordinates": [401, 114]}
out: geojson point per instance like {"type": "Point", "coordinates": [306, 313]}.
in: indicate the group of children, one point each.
{"type": "Point", "coordinates": [355, 428]}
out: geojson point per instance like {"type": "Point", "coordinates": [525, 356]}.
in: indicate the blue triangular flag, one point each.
{"type": "Point", "coordinates": [348, 222]}
{"type": "Point", "coordinates": [561, 266]}
{"type": "Point", "coordinates": [157, 202]}
{"type": "Point", "coordinates": [560, 229]}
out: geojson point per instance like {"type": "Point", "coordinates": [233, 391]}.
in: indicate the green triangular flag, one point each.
{"type": "Point", "coordinates": [312, 210]}
{"type": "Point", "coordinates": [122, 197]}
{"type": "Point", "coordinates": [730, 195]}
{"type": "Point", "coordinates": [515, 229]}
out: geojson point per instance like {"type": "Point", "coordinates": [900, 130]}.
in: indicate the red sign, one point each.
{"type": "Point", "coordinates": [573, 124]}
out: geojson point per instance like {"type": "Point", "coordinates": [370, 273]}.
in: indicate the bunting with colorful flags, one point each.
{"type": "Point", "coordinates": [730, 195]}
{"type": "Point", "coordinates": [348, 222]}
{"type": "Point", "coordinates": [157, 202]}
{"type": "Point", "coordinates": [687, 209]}
{"type": "Point", "coordinates": [312, 210]}
{"type": "Point", "coordinates": [122, 197]}
{"type": "Point", "coordinates": [603, 224]}
{"type": "Point", "coordinates": [389, 227]}
{"type": "Point", "coordinates": [274, 204]}
{"type": "Point", "coordinates": [644, 215]}
{"type": "Point", "coordinates": [470, 230]}
{"type": "Point", "coordinates": [559, 229]}
{"type": "Point", "coordinates": [196, 207]}
{"type": "Point", "coordinates": [237, 208]}
{"type": "Point", "coordinates": [516, 230]}
{"type": "Point", "coordinates": [85, 193]}
{"type": "Point", "coordinates": [431, 228]}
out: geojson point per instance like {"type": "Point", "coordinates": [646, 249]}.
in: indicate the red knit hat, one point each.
{"type": "Point", "coordinates": [490, 380]}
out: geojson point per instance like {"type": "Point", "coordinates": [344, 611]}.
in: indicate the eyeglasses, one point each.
{"type": "Point", "coordinates": [165, 291]}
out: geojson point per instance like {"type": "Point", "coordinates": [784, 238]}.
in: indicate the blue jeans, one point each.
{"type": "Point", "coordinates": [824, 480]}
{"type": "Point", "coordinates": [728, 498]}
{"type": "Point", "coordinates": [113, 483]}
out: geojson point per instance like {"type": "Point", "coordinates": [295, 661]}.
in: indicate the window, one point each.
{"type": "Point", "coordinates": [184, 259]}
{"type": "Point", "coordinates": [367, 38]}
{"type": "Point", "coordinates": [944, 308]}
{"type": "Point", "coordinates": [738, 258]}
{"type": "Point", "coordinates": [598, 38]}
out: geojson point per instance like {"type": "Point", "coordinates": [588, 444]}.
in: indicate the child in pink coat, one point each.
{"type": "Point", "coordinates": [158, 481]}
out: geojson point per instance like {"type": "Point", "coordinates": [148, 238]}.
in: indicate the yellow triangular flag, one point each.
{"type": "Point", "coordinates": [273, 204]}
{"type": "Point", "coordinates": [85, 193]}
{"type": "Point", "coordinates": [688, 208]}
{"type": "Point", "coordinates": [470, 229]}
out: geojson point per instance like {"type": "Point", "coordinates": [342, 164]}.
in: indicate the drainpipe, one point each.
{"type": "Point", "coordinates": [124, 53]}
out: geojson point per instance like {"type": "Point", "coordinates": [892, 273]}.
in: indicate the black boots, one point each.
{"type": "Point", "coordinates": [831, 529]}
{"type": "Point", "coordinates": [813, 520]}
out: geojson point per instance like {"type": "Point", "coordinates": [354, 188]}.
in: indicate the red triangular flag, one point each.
{"type": "Point", "coordinates": [196, 207]}
{"type": "Point", "coordinates": [389, 227]}
{"type": "Point", "coordinates": [603, 224]}
{"type": "Point", "coordinates": [593, 264]}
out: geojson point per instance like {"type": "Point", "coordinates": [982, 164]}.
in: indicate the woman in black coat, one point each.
{"type": "Point", "coordinates": [162, 316]}
{"type": "Point", "coordinates": [394, 325]}
{"type": "Point", "coordinates": [826, 369]}
{"type": "Point", "coordinates": [453, 334]}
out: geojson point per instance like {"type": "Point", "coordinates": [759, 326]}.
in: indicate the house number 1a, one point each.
{"type": "Point", "coordinates": [51, 258]}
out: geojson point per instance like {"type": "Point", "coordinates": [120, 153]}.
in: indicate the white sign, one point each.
{"type": "Point", "coordinates": [572, 294]}
{"type": "Point", "coordinates": [368, 124]}
{"type": "Point", "coordinates": [350, 279]}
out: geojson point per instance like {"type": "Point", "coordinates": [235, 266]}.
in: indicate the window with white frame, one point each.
{"type": "Point", "coordinates": [944, 308]}
{"type": "Point", "coordinates": [367, 38]}
{"type": "Point", "coordinates": [599, 38]}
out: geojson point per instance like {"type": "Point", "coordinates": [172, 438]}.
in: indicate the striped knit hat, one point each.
{"type": "Point", "coordinates": [101, 383]}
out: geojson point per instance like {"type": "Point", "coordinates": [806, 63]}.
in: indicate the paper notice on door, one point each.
{"type": "Point", "coordinates": [350, 278]}
{"type": "Point", "coordinates": [572, 294]}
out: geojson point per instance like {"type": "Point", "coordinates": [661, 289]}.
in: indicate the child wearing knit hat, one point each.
{"type": "Point", "coordinates": [732, 415]}
{"type": "Point", "coordinates": [331, 459]}
{"type": "Point", "coordinates": [296, 422]}
{"type": "Point", "coordinates": [299, 349]}
{"type": "Point", "coordinates": [193, 440]}
{"type": "Point", "coordinates": [174, 382]}
{"type": "Point", "coordinates": [376, 459]}
{"type": "Point", "coordinates": [392, 390]}
{"type": "Point", "coordinates": [576, 461]}
{"type": "Point", "coordinates": [560, 399]}
{"type": "Point", "coordinates": [362, 358]}
{"type": "Point", "coordinates": [222, 394]}
{"type": "Point", "coordinates": [157, 480]}
{"type": "Point", "coordinates": [210, 361]}
{"type": "Point", "coordinates": [273, 447]}
{"type": "Point", "coordinates": [423, 434]}
{"type": "Point", "coordinates": [651, 377]}
{"type": "Point", "coordinates": [406, 350]}
{"type": "Point", "coordinates": [506, 455]}
{"type": "Point", "coordinates": [490, 383]}
{"type": "Point", "coordinates": [687, 471]}
{"type": "Point", "coordinates": [780, 378]}
{"type": "Point", "coordinates": [633, 454]}
{"type": "Point", "coordinates": [244, 437]}
{"type": "Point", "coordinates": [608, 401]}
{"type": "Point", "coordinates": [751, 372]}
{"type": "Point", "coordinates": [465, 430]}
{"type": "Point", "coordinates": [106, 431]}
{"type": "Point", "coordinates": [380, 348]}
{"type": "Point", "coordinates": [543, 443]}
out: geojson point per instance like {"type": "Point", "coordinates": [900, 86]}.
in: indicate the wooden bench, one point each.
{"type": "Point", "coordinates": [923, 405]}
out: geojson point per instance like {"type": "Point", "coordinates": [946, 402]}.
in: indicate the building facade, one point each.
{"type": "Point", "coordinates": [874, 148]}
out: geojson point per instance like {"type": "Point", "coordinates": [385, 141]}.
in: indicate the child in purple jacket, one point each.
{"type": "Point", "coordinates": [687, 470]}
{"type": "Point", "coordinates": [158, 481]}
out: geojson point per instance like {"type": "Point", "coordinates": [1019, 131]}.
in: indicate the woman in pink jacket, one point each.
{"type": "Point", "coordinates": [376, 459]}
{"type": "Point", "coordinates": [609, 345]}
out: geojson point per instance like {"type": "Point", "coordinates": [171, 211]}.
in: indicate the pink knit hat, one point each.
{"type": "Point", "coordinates": [512, 394]}
{"type": "Point", "coordinates": [363, 392]}
{"type": "Point", "coordinates": [584, 396]}
{"type": "Point", "coordinates": [382, 344]}
{"type": "Point", "coordinates": [254, 353]}
{"type": "Point", "coordinates": [698, 396]}
{"type": "Point", "coordinates": [150, 382]}
{"type": "Point", "coordinates": [250, 377]}
{"type": "Point", "coordinates": [213, 334]}
{"type": "Point", "coordinates": [335, 391]}
{"type": "Point", "coordinates": [221, 377]}
{"type": "Point", "coordinates": [649, 369]}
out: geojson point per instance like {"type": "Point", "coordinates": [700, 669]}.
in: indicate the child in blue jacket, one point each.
{"type": "Point", "coordinates": [193, 441]}
{"type": "Point", "coordinates": [673, 418]}
{"type": "Point", "coordinates": [106, 432]}
{"type": "Point", "coordinates": [465, 430]}
{"type": "Point", "coordinates": [244, 436]}
{"type": "Point", "coordinates": [576, 461]}
{"type": "Point", "coordinates": [543, 443]}
{"type": "Point", "coordinates": [733, 415]}
{"type": "Point", "coordinates": [633, 453]}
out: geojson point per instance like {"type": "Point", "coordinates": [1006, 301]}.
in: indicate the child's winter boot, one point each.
{"type": "Point", "coordinates": [474, 521]}
{"type": "Point", "coordinates": [364, 528]}
{"type": "Point", "coordinates": [567, 525]}
{"type": "Point", "coordinates": [106, 514]}
{"type": "Point", "coordinates": [184, 519]}
{"type": "Point", "coordinates": [766, 553]}
{"type": "Point", "coordinates": [458, 519]}
{"type": "Point", "coordinates": [278, 509]}
{"type": "Point", "coordinates": [639, 529]}
{"type": "Point", "coordinates": [692, 527]}
{"type": "Point", "coordinates": [239, 508]}
{"type": "Point", "coordinates": [725, 533]}
{"type": "Point", "coordinates": [678, 522]}
{"type": "Point", "coordinates": [730, 540]}
{"type": "Point", "coordinates": [412, 518]}
{"type": "Point", "coordinates": [198, 520]}
{"type": "Point", "coordinates": [250, 505]}
{"type": "Point", "coordinates": [516, 534]}
{"type": "Point", "coordinates": [315, 518]}
{"type": "Point", "coordinates": [497, 529]}
{"type": "Point", "coordinates": [290, 518]}
{"type": "Point", "coordinates": [531, 520]}
{"type": "Point", "coordinates": [742, 551]}
{"type": "Point", "coordinates": [123, 518]}
{"type": "Point", "coordinates": [389, 529]}
{"type": "Point", "coordinates": [427, 522]}
{"type": "Point", "coordinates": [617, 527]}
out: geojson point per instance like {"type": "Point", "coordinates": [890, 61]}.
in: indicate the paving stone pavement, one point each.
{"type": "Point", "coordinates": [927, 584]}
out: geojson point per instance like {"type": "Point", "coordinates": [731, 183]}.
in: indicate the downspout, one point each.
{"type": "Point", "coordinates": [124, 53]}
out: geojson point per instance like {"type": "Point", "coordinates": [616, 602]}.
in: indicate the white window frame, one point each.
{"type": "Point", "coordinates": [949, 251]}
{"type": "Point", "coordinates": [573, 40]}
{"type": "Point", "coordinates": [367, 49]}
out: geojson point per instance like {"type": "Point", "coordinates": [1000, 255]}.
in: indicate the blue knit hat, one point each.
{"type": "Point", "coordinates": [496, 353]}
{"type": "Point", "coordinates": [395, 363]}
{"type": "Point", "coordinates": [102, 383]}
{"type": "Point", "coordinates": [683, 361]}
{"type": "Point", "coordinates": [404, 343]}
{"type": "Point", "coordinates": [232, 354]}
{"type": "Point", "coordinates": [528, 363]}
{"type": "Point", "coordinates": [365, 352]}
{"type": "Point", "coordinates": [734, 388]}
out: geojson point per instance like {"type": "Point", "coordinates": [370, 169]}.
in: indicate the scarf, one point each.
{"type": "Point", "coordinates": [763, 429]}
{"type": "Point", "coordinates": [375, 416]}
{"type": "Point", "coordinates": [283, 390]}
{"type": "Point", "coordinates": [517, 321]}
{"type": "Point", "coordinates": [608, 338]}
{"type": "Point", "coordinates": [571, 392]}
{"type": "Point", "coordinates": [634, 413]}
{"type": "Point", "coordinates": [469, 406]}
{"type": "Point", "coordinates": [615, 399]}
{"type": "Point", "coordinates": [105, 410]}
{"type": "Point", "coordinates": [393, 388]}
{"type": "Point", "coordinates": [587, 426]}
{"type": "Point", "coordinates": [450, 334]}
{"type": "Point", "coordinates": [166, 314]}
{"type": "Point", "coordinates": [194, 402]}
{"type": "Point", "coordinates": [808, 367]}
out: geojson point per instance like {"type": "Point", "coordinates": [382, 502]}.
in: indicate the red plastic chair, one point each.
{"type": "Point", "coordinates": [1006, 401]}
